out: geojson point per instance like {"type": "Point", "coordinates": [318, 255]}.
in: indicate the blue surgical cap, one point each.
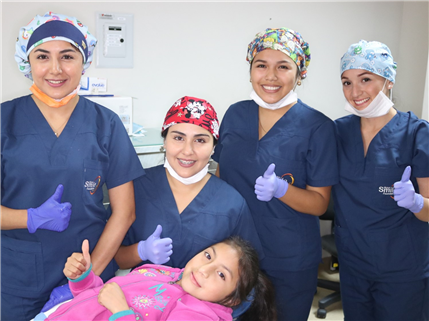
{"type": "Point", "coordinates": [373, 56]}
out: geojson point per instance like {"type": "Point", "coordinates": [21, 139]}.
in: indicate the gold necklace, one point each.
{"type": "Point", "coordinates": [56, 132]}
{"type": "Point", "coordinates": [260, 124]}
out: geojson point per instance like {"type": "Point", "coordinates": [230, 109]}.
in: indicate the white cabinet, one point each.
{"type": "Point", "coordinates": [149, 148]}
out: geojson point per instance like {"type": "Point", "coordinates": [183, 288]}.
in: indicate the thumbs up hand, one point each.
{"type": "Point", "coordinates": [51, 215]}
{"type": "Point", "coordinates": [405, 195]}
{"type": "Point", "coordinates": [78, 263]}
{"type": "Point", "coordinates": [269, 185]}
{"type": "Point", "coordinates": [155, 249]}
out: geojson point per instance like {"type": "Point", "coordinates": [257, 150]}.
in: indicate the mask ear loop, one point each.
{"type": "Point", "coordinates": [384, 85]}
{"type": "Point", "coordinates": [297, 82]}
{"type": "Point", "coordinates": [390, 87]}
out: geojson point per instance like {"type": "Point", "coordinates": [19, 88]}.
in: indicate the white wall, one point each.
{"type": "Point", "coordinates": [425, 112]}
{"type": "Point", "coordinates": [199, 49]}
{"type": "Point", "coordinates": [413, 35]}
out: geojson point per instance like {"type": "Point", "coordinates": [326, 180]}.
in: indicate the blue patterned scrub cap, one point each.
{"type": "Point", "coordinates": [285, 40]}
{"type": "Point", "coordinates": [373, 56]}
{"type": "Point", "coordinates": [53, 26]}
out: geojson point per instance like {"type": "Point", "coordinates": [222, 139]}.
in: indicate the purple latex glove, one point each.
{"type": "Point", "coordinates": [155, 249]}
{"type": "Point", "coordinates": [51, 215]}
{"type": "Point", "coordinates": [405, 195]}
{"type": "Point", "coordinates": [58, 295]}
{"type": "Point", "coordinates": [269, 185]}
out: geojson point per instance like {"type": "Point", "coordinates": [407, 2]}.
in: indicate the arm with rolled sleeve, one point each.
{"type": "Point", "coordinates": [51, 215]}
{"type": "Point", "coordinates": [423, 183]}
{"type": "Point", "coordinates": [123, 215]}
{"type": "Point", "coordinates": [321, 161]}
{"type": "Point", "coordinates": [421, 168]}
{"type": "Point", "coordinates": [404, 191]}
{"type": "Point", "coordinates": [124, 167]}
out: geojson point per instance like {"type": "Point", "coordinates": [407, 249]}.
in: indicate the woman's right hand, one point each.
{"type": "Point", "coordinates": [51, 215]}
{"type": "Point", "coordinates": [112, 298]}
{"type": "Point", "coordinates": [78, 263]}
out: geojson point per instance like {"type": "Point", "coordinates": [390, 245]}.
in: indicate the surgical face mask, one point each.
{"type": "Point", "coordinates": [51, 102]}
{"type": "Point", "coordinates": [290, 98]}
{"type": "Point", "coordinates": [189, 180]}
{"type": "Point", "coordinates": [380, 106]}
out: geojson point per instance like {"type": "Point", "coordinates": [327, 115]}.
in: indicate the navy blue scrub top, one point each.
{"type": "Point", "coordinates": [375, 237]}
{"type": "Point", "coordinates": [216, 213]}
{"type": "Point", "coordinates": [93, 149]}
{"type": "Point", "coordinates": [302, 146]}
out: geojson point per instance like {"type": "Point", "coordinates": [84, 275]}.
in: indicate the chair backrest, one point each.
{"type": "Point", "coordinates": [243, 306]}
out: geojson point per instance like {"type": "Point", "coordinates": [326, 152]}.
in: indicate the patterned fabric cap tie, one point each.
{"type": "Point", "coordinates": [52, 26]}
{"type": "Point", "coordinates": [285, 40]}
{"type": "Point", "coordinates": [372, 56]}
{"type": "Point", "coordinates": [192, 110]}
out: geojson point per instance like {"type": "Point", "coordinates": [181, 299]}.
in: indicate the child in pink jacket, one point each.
{"type": "Point", "coordinates": [213, 281]}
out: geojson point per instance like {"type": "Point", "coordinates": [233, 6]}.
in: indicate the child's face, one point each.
{"type": "Point", "coordinates": [212, 274]}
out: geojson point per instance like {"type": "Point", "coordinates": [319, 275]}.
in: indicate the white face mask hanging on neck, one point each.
{"type": "Point", "coordinates": [380, 106]}
{"type": "Point", "coordinates": [189, 180]}
{"type": "Point", "coordinates": [290, 98]}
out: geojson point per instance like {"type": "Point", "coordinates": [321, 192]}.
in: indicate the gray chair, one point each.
{"type": "Point", "coordinates": [328, 244]}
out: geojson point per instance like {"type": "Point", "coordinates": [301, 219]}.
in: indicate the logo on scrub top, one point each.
{"type": "Point", "coordinates": [288, 177]}
{"type": "Point", "coordinates": [92, 186]}
{"type": "Point", "coordinates": [386, 190]}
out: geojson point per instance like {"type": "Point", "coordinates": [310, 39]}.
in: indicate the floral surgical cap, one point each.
{"type": "Point", "coordinates": [192, 110]}
{"type": "Point", "coordinates": [372, 56]}
{"type": "Point", "coordinates": [53, 26]}
{"type": "Point", "coordinates": [285, 40]}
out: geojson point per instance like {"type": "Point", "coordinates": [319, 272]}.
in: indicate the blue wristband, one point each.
{"type": "Point", "coordinates": [119, 314]}
{"type": "Point", "coordinates": [80, 278]}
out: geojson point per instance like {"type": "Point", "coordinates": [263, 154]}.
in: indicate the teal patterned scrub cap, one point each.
{"type": "Point", "coordinates": [53, 26]}
{"type": "Point", "coordinates": [285, 40]}
{"type": "Point", "coordinates": [372, 56]}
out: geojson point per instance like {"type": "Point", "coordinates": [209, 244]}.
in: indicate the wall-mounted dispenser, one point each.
{"type": "Point", "coordinates": [115, 40]}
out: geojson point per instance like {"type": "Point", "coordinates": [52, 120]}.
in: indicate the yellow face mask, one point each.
{"type": "Point", "coordinates": [55, 103]}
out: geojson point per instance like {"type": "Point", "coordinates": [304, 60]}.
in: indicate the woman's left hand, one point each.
{"type": "Point", "coordinates": [112, 298]}
{"type": "Point", "coordinates": [405, 195]}
{"type": "Point", "coordinates": [269, 185]}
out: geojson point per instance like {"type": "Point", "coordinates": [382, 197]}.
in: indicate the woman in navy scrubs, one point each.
{"type": "Point", "coordinates": [180, 199]}
{"type": "Point", "coordinates": [381, 201]}
{"type": "Point", "coordinates": [284, 151]}
{"type": "Point", "coordinates": [57, 150]}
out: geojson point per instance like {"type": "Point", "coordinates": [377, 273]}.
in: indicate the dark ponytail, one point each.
{"type": "Point", "coordinates": [251, 278]}
{"type": "Point", "coordinates": [263, 307]}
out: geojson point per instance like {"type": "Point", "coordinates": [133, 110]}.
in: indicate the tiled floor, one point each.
{"type": "Point", "coordinates": [335, 311]}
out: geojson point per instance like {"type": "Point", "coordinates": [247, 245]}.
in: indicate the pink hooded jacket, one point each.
{"type": "Point", "coordinates": [151, 294]}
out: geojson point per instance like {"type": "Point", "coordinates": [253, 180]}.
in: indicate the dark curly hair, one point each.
{"type": "Point", "coordinates": [251, 277]}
